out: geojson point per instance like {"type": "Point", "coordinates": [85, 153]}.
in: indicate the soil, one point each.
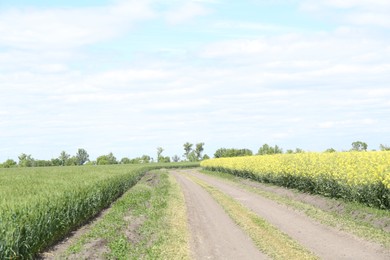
{"type": "Point", "coordinates": [59, 249]}
{"type": "Point", "coordinates": [95, 249]}
{"type": "Point", "coordinates": [151, 179]}
{"type": "Point", "coordinates": [132, 230]}
{"type": "Point", "coordinates": [214, 234]}
{"type": "Point", "coordinates": [324, 241]}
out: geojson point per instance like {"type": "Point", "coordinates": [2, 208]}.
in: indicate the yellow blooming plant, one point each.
{"type": "Point", "coordinates": [358, 176]}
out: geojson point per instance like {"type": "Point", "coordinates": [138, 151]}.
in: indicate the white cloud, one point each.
{"type": "Point", "coordinates": [369, 18]}
{"type": "Point", "coordinates": [239, 25]}
{"type": "Point", "coordinates": [354, 12]}
{"type": "Point", "coordinates": [186, 12]}
{"type": "Point", "coordinates": [317, 77]}
{"type": "Point", "coordinates": [127, 77]}
{"type": "Point", "coordinates": [294, 90]}
{"type": "Point", "coordinates": [55, 28]}
{"type": "Point", "coordinates": [367, 4]}
{"type": "Point", "coordinates": [345, 4]}
{"type": "Point", "coordinates": [235, 47]}
{"type": "Point", "coordinates": [348, 123]}
{"type": "Point", "coordinates": [330, 53]}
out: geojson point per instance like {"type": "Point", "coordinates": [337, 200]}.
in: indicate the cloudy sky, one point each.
{"type": "Point", "coordinates": [129, 76]}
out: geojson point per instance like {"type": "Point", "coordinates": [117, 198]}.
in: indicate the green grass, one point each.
{"type": "Point", "coordinates": [39, 206]}
{"type": "Point", "coordinates": [352, 219]}
{"type": "Point", "coordinates": [267, 238]}
{"type": "Point", "coordinates": [147, 222]}
{"type": "Point", "coordinates": [176, 235]}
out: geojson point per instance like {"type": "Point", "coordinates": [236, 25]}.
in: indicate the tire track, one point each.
{"type": "Point", "coordinates": [214, 234]}
{"type": "Point", "coordinates": [324, 241]}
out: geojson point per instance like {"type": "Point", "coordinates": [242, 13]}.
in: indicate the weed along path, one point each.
{"type": "Point", "coordinates": [216, 236]}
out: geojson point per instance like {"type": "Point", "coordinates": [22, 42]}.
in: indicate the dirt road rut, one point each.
{"type": "Point", "coordinates": [214, 234]}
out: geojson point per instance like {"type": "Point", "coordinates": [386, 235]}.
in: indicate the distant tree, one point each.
{"type": "Point", "coordinates": [72, 161]}
{"type": "Point", "coordinates": [63, 157]}
{"type": "Point", "coordinates": [192, 157]}
{"type": "Point", "coordinates": [359, 146]}
{"type": "Point", "coordinates": [82, 156]}
{"type": "Point", "coordinates": [244, 152]}
{"type": "Point", "coordinates": [266, 149]}
{"type": "Point", "coordinates": [206, 157]}
{"type": "Point", "coordinates": [9, 163]}
{"type": "Point", "coordinates": [106, 159]}
{"type": "Point", "coordinates": [175, 158]}
{"type": "Point", "coordinates": [199, 150]}
{"type": "Point", "coordinates": [42, 163]}
{"type": "Point", "coordinates": [277, 149]}
{"type": "Point", "coordinates": [330, 150]}
{"type": "Point", "coordinates": [160, 150]}
{"type": "Point", "coordinates": [102, 160]}
{"type": "Point", "coordinates": [25, 160]}
{"type": "Point", "coordinates": [56, 162]}
{"type": "Point", "coordinates": [383, 147]}
{"type": "Point", "coordinates": [125, 160]}
{"type": "Point", "coordinates": [165, 159]}
{"type": "Point", "coordinates": [297, 150]}
{"type": "Point", "coordinates": [187, 149]}
{"type": "Point", "coordinates": [111, 159]}
{"type": "Point", "coordinates": [142, 159]}
{"type": "Point", "coordinates": [145, 159]}
{"type": "Point", "coordinates": [136, 160]}
{"type": "Point", "coordinates": [223, 152]}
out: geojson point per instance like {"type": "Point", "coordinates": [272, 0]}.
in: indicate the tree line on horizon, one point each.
{"type": "Point", "coordinates": [269, 149]}
{"type": "Point", "coordinates": [191, 154]}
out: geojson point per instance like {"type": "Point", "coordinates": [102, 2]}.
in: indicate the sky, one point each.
{"type": "Point", "coordinates": [129, 76]}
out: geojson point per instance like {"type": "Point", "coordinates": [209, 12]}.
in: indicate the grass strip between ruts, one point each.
{"type": "Point", "coordinates": [176, 239]}
{"type": "Point", "coordinates": [266, 237]}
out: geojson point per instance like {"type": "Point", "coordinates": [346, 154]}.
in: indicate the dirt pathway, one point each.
{"type": "Point", "coordinates": [324, 241]}
{"type": "Point", "coordinates": [214, 234]}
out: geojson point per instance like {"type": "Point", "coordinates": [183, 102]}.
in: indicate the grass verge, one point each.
{"type": "Point", "coordinates": [267, 238]}
{"type": "Point", "coordinates": [148, 222]}
{"type": "Point", "coordinates": [175, 239]}
{"type": "Point", "coordinates": [355, 218]}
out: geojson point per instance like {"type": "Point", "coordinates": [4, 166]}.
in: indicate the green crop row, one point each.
{"type": "Point", "coordinates": [40, 206]}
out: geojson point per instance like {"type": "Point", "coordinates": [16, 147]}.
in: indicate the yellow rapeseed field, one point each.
{"type": "Point", "coordinates": [360, 176]}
